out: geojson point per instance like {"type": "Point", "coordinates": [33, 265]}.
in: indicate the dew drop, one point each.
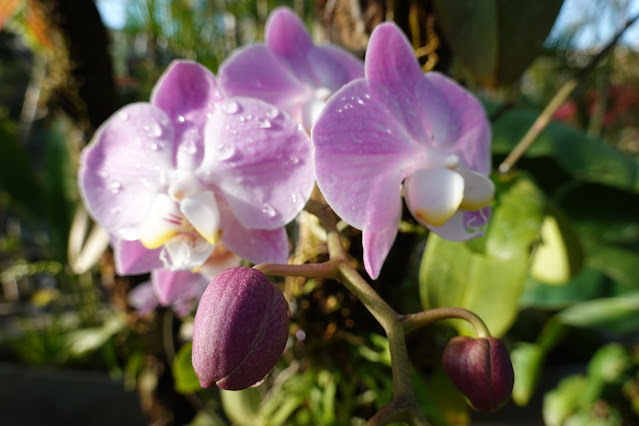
{"type": "Point", "coordinates": [153, 130]}
{"type": "Point", "coordinates": [114, 187]}
{"type": "Point", "coordinates": [224, 152]}
{"type": "Point", "coordinates": [123, 115]}
{"type": "Point", "coordinates": [294, 198]}
{"type": "Point", "coordinates": [154, 146]}
{"type": "Point", "coordinates": [273, 112]}
{"type": "Point", "coordinates": [181, 118]}
{"type": "Point", "coordinates": [115, 210]}
{"type": "Point", "coordinates": [231, 107]}
{"type": "Point", "coordinates": [268, 210]}
{"type": "Point", "coordinates": [103, 174]}
{"type": "Point", "coordinates": [265, 124]}
{"type": "Point", "coordinates": [294, 160]}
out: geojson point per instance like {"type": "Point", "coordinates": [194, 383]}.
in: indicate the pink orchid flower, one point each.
{"type": "Point", "coordinates": [399, 130]}
{"type": "Point", "coordinates": [174, 178]}
{"type": "Point", "coordinates": [288, 70]}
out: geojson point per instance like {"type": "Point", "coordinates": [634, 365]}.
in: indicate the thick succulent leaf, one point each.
{"type": "Point", "coordinates": [487, 35]}
{"type": "Point", "coordinates": [583, 157]}
{"type": "Point", "coordinates": [486, 275]}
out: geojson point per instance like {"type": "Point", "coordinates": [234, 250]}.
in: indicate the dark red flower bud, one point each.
{"type": "Point", "coordinates": [240, 329]}
{"type": "Point", "coordinates": [481, 369]}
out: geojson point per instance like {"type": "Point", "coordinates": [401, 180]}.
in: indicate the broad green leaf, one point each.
{"type": "Point", "coordinates": [487, 35]}
{"type": "Point", "coordinates": [615, 314]}
{"type": "Point", "coordinates": [620, 264]}
{"type": "Point", "coordinates": [558, 256]}
{"type": "Point", "coordinates": [528, 360]}
{"type": "Point", "coordinates": [562, 402]}
{"type": "Point", "coordinates": [242, 407]}
{"type": "Point", "coordinates": [486, 275]}
{"type": "Point", "coordinates": [184, 376]}
{"type": "Point", "coordinates": [583, 157]}
{"type": "Point", "coordinates": [588, 284]}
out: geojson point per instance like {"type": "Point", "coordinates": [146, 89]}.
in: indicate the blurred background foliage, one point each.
{"type": "Point", "coordinates": [556, 275]}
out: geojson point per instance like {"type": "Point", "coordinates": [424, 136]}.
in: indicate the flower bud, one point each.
{"type": "Point", "coordinates": [481, 369]}
{"type": "Point", "coordinates": [240, 329]}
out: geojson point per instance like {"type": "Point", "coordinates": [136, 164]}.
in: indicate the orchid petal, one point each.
{"type": "Point", "coordinates": [143, 298]}
{"type": "Point", "coordinates": [125, 166]}
{"type": "Point", "coordinates": [162, 223]}
{"type": "Point", "coordinates": [377, 245]}
{"type": "Point", "coordinates": [132, 258]}
{"type": "Point", "coordinates": [170, 286]}
{"type": "Point", "coordinates": [359, 145]}
{"type": "Point", "coordinates": [390, 60]}
{"type": "Point", "coordinates": [202, 213]}
{"type": "Point", "coordinates": [478, 189]}
{"type": "Point", "coordinates": [254, 71]}
{"type": "Point", "coordinates": [261, 160]}
{"type": "Point", "coordinates": [464, 225]}
{"type": "Point", "coordinates": [286, 35]}
{"type": "Point", "coordinates": [334, 67]}
{"type": "Point", "coordinates": [185, 251]}
{"type": "Point", "coordinates": [254, 245]}
{"type": "Point", "coordinates": [433, 195]}
{"type": "Point", "coordinates": [456, 120]}
{"type": "Point", "coordinates": [220, 260]}
{"type": "Point", "coordinates": [187, 92]}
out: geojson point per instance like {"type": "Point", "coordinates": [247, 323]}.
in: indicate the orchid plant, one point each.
{"type": "Point", "coordinates": [210, 171]}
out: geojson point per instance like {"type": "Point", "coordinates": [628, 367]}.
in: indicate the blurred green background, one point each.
{"type": "Point", "coordinates": [556, 276]}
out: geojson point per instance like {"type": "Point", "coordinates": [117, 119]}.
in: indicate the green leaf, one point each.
{"type": "Point", "coordinates": [487, 35]}
{"type": "Point", "coordinates": [588, 284]}
{"type": "Point", "coordinates": [184, 376]}
{"type": "Point", "coordinates": [242, 407]}
{"type": "Point", "coordinates": [563, 401]}
{"type": "Point", "coordinates": [583, 157]}
{"type": "Point", "coordinates": [558, 256]}
{"type": "Point", "coordinates": [615, 314]}
{"type": "Point", "coordinates": [488, 272]}
{"type": "Point", "coordinates": [528, 360]}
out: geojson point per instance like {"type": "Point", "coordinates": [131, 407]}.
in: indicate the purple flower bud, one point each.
{"type": "Point", "coordinates": [240, 329]}
{"type": "Point", "coordinates": [481, 369]}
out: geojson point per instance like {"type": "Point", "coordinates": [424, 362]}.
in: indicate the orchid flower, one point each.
{"type": "Point", "coordinates": [287, 70]}
{"type": "Point", "coordinates": [398, 130]}
{"type": "Point", "coordinates": [178, 179]}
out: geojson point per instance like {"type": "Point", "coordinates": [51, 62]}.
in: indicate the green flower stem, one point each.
{"type": "Point", "coordinates": [308, 270]}
{"type": "Point", "coordinates": [404, 405]}
{"type": "Point", "coordinates": [412, 322]}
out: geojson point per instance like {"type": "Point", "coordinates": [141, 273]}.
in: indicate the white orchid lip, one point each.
{"type": "Point", "coordinates": [478, 189]}
{"type": "Point", "coordinates": [434, 195]}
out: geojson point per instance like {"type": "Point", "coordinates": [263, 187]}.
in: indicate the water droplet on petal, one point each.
{"type": "Point", "coordinates": [181, 118]}
{"type": "Point", "coordinates": [115, 210]}
{"type": "Point", "coordinates": [231, 107]}
{"type": "Point", "coordinates": [153, 130]}
{"type": "Point", "coordinates": [114, 187]}
{"type": "Point", "coordinates": [273, 112]}
{"type": "Point", "coordinates": [265, 124]}
{"type": "Point", "coordinates": [268, 210]}
{"type": "Point", "coordinates": [224, 152]}
{"type": "Point", "coordinates": [123, 115]}
{"type": "Point", "coordinates": [103, 174]}
{"type": "Point", "coordinates": [294, 160]}
{"type": "Point", "coordinates": [294, 198]}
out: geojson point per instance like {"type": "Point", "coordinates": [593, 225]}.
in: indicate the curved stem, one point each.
{"type": "Point", "coordinates": [412, 322]}
{"type": "Point", "coordinates": [404, 404]}
{"type": "Point", "coordinates": [308, 270]}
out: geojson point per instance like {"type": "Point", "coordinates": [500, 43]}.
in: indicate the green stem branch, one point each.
{"type": "Point", "coordinates": [412, 322]}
